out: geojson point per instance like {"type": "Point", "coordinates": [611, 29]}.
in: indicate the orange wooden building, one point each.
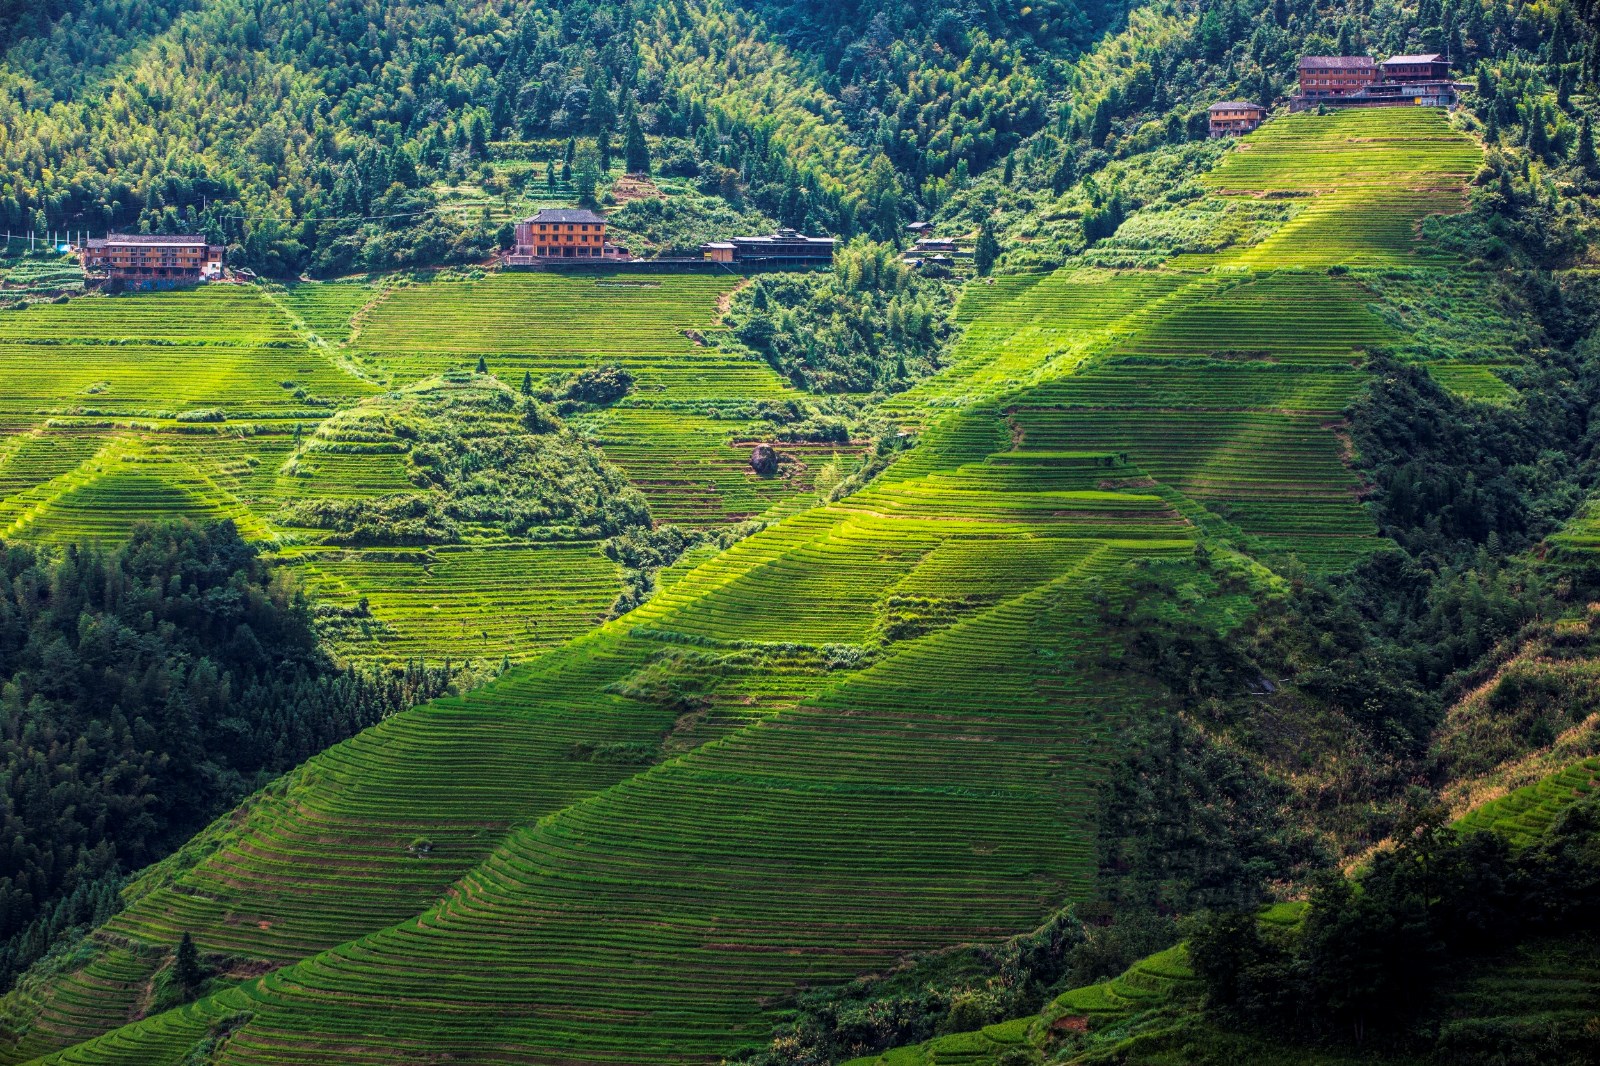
{"type": "Point", "coordinates": [561, 233]}
{"type": "Point", "coordinates": [151, 257]}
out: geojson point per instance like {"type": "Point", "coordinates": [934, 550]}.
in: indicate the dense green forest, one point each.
{"type": "Point", "coordinates": [1371, 955]}
{"type": "Point", "coordinates": [358, 115]}
{"type": "Point", "coordinates": [147, 687]}
{"type": "Point", "coordinates": [369, 108]}
{"type": "Point", "coordinates": [873, 323]}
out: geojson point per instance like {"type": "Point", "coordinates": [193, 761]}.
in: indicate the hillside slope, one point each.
{"type": "Point", "coordinates": [872, 729]}
{"type": "Point", "coordinates": [270, 408]}
{"type": "Point", "coordinates": [1529, 997]}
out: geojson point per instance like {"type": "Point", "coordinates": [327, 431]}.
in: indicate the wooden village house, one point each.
{"type": "Point", "coordinates": [560, 233]}
{"type": "Point", "coordinates": [786, 248]}
{"type": "Point", "coordinates": [151, 259]}
{"type": "Point", "coordinates": [1359, 81]}
{"type": "Point", "coordinates": [1231, 118]}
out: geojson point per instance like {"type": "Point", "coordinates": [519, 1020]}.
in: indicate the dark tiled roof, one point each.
{"type": "Point", "coordinates": [783, 237]}
{"type": "Point", "coordinates": [1235, 105]}
{"type": "Point", "coordinates": [1335, 62]}
{"type": "Point", "coordinates": [566, 214]}
{"type": "Point", "coordinates": [150, 238]}
{"type": "Point", "coordinates": [1433, 57]}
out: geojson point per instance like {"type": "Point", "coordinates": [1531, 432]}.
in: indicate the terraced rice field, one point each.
{"type": "Point", "coordinates": [550, 324]}
{"type": "Point", "coordinates": [112, 407]}
{"type": "Point", "coordinates": [1473, 381]}
{"type": "Point", "coordinates": [873, 728]}
{"type": "Point", "coordinates": [695, 470]}
{"type": "Point", "coordinates": [765, 879]}
{"type": "Point", "coordinates": [45, 453]}
{"type": "Point", "coordinates": [329, 308]}
{"type": "Point", "coordinates": [474, 602]}
{"type": "Point", "coordinates": [118, 486]}
{"type": "Point", "coordinates": [1227, 390]}
{"type": "Point", "coordinates": [1579, 538]}
{"type": "Point", "coordinates": [953, 834]}
{"type": "Point", "coordinates": [1525, 814]}
{"type": "Point", "coordinates": [1048, 326]}
{"type": "Point", "coordinates": [157, 356]}
{"type": "Point", "coordinates": [1278, 476]}
{"type": "Point", "coordinates": [1284, 316]}
{"type": "Point", "coordinates": [1372, 175]}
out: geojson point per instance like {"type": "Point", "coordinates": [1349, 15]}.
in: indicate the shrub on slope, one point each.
{"type": "Point", "coordinates": [486, 462]}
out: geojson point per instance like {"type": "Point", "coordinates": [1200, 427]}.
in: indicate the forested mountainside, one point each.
{"type": "Point", "coordinates": [372, 136]}
{"type": "Point", "coordinates": [1164, 636]}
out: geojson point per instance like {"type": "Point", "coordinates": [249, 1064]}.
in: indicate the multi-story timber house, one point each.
{"type": "Point", "coordinates": [1332, 77]}
{"type": "Point", "coordinates": [1232, 118]}
{"type": "Point", "coordinates": [1414, 69]}
{"type": "Point", "coordinates": [561, 233]}
{"type": "Point", "coordinates": [151, 259]}
{"type": "Point", "coordinates": [1357, 81]}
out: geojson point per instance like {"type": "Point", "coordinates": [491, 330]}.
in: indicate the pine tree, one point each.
{"type": "Point", "coordinates": [1009, 176]}
{"type": "Point", "coordinates": [1100, 129]}
{"type": "Point", "coordinates": [635, 151]}
{"type": "Point", "coordinates": [1213, 35]}
{"type": "Point", "coordinates": [1349, 37]}
{"type": "Point", "coordinates": [1538, 136]}
{"type": "Point", "coordinates": [483, 365]}
{"type": "Point", "coordinates": [186, 969]}
{"type": "Point", "coordinates": [588, 183]}
{"type": "Point", "coordinates": [987, 251]}
{"type": "Point", "coordinates": [527, 383]}
{"type": "Point", "coordinates": [1066, 173]}
{"type": "Point", "coordinates": [602, 111]}
{"type": "Point", "coordinates": [883, 198]}
{"type": "Point", "coordinates": [1583, 155]}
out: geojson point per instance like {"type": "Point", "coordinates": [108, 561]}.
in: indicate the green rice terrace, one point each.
{"type": "Point", "coordinates": [246, 403]}
{"type": "Point", "coordinates": [875, 727]}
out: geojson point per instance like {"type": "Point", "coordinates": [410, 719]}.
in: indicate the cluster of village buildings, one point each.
{"type": "Point", "coordinates": [1351, 81]}
{"type": "Point", "coordinates": [557, 234]}
{"type": "Point", "coordinates": [574, 236]}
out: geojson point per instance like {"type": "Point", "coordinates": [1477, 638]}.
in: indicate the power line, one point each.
{"type": "Point", "coordinates": [435, 210]}
{"type": "Point", "coordinates": [329, 218]}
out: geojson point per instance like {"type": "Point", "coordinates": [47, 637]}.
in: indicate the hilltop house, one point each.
{"type": "Point", "coordinates": [561, 233]}
{"type": "Point", "coordinates": [786, 248]}
{"type": "Point", "coordinates": [1330, 77]}
{"type": "Point", "coordinates": [1357, 81]}
{"type": "Point", "coordinates": [1423, 68]}
{"type": "Point", "coordinates": [151, 259]}
{"type": "Point", "coordinates": [1230, 118]}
